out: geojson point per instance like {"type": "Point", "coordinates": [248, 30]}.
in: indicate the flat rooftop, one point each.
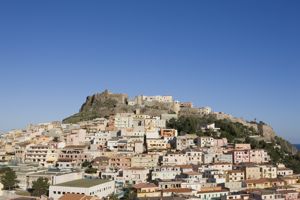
{"type": "Point", "coordinates": [85, 183]}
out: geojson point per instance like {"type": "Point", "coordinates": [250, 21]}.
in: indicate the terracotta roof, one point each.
{"type": "Point", "coordinates": [264, 180]}
{"type": "Point", "coordinates": [101, 158]}
{"type": "Point", "coordinates": [144, 185]}
{"type": "Point", "coordinates": [192, 173]}
{"type": "Point", "coordinates": [213, 191]}
{"type": "Point", "coordinates": [178, 190]}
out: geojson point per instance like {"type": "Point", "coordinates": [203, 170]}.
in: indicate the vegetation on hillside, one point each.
{"type": "Point", "coordinates": [280, 150]}
{"type": "Point", "coordinates": [234, 132]}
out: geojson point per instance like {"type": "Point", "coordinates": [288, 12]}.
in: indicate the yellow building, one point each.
{"type": "Point", "coordinates": [146, 190]}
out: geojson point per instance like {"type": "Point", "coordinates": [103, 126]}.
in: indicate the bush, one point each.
{"type": "Point", "coordinates": [91, 171]}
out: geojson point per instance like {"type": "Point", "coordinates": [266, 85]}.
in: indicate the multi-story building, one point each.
{"type": "Point", "coordinates": [74, 155]}
{"type": "Point", "coordinates": [165, 172]}
{"type": "Point", "coordinates": [135, 175]}
{"type": "Point", "coordinates": [259, 156]}
{"type": "Point", "coordinates": [206, 141]}
{"type": "Point", "coordinates": [252, 172]}
{"type": "Point", "coordinates": [184, 142]}
{"type": "Point", "coordinates": [168, 133]}
{"type": "Point", "coordinates": [212, 193]}
{"type": "Point", "coordinates": [157, 144]}
{"type": "Point", "coordinates": [223, 158]}
{"type": "Point", "coordinates": [41, 154]}
{"type": "Point", "coordinates": [119, 161]}
{"type": "Point", "coordinates": [241, 156]}
{"type": "Point", "coordinates": [268, 171]}
{"type": "Point", "coordinates": [76, 137]}
{"type": "Point", "coordinates": [216, 166]}
{"type": "Point", "coordinates": [194, 157]}
{"type": "Point", "coordinates": [123, 120]}
{"type": "Point", "coordinates": [235, 176]}
{"type": "Point", "coordinates": [174, 159]}
{"type": "Point", "coordinates": [145, 160]}
{"type": "Point", "coordinates": [263, 183]}
{"type": "Point", "coordinates": [146, 190]}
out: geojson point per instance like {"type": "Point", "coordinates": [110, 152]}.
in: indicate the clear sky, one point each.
{"type": "Point", "coordinates": [240, 57]}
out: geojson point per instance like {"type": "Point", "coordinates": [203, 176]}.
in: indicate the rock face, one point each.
{"type": "Point", "coordinates": [265, 130]}
{"type": "Point", "coordinates": [106, 103]}
{"type": "Point", "coordinates": [104, 99]}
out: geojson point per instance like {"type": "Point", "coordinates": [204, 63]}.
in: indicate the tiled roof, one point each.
{"type": "Point", "coordinates": [144, 185]}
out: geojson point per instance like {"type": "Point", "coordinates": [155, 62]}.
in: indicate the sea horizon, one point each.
{"type": "Point", "coordinates": [297, 146]}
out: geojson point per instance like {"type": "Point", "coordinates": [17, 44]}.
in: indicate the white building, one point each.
{"type": "Point", "coordinates": [194, 157]}
{"type": "Point", "coordinates": [123, 120]}
{"type": "Point", "coordinates": [174, 159]}
{"type": "Point", "coordinates": [165, 172]}
{"type": "Point", "coordinates": [206, 141]}
{"type": "Point", "coordinates": [93, 187]}
{"type": "Point", "coordinates": [135, 175]}
{"type": "Point", "coordinates": [158, 98]}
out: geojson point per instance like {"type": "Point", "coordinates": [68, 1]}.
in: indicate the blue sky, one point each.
{"type": "Point", "coordinates": [240, 57]}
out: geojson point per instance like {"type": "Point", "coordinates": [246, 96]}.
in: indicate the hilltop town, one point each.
{"type": "Point", "coordinates": [148, 147]}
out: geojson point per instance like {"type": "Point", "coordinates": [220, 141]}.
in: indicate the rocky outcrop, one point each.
{"type": "Point", "coordinates": [265, 130]}
{"type": "Point", "coordinates": [106, 103]}
{"type": "Point", "coordinates": [104, 99]}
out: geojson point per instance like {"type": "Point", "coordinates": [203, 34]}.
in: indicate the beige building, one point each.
{"type": "Point", "coordinates": [157, 144]}
{"type": "Point", "coordinates": [252, 172]}
{"type": "Point", "coordinates": [174, 159]}
{"type": "Point", "coordinates": [268, 171]}
{"type": "Point", "coordinates": [135, 175]}
{"type": "Point", "coordinates": [259, 156]}
{"type": "Point", "coordinates": [145, 160]}
{"type": "Point", "coordinates": [74, 155]}
{"type": "Point", "coordinates": [146, 190]}
{"type": "Point", "coordinates": [165, 172]}
{"type": "Point", "coordinates": [44, 155]}
{"type": "Point", "coordinates": [235, 176]}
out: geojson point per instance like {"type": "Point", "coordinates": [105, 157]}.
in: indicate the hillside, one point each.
{"type": "Point", "coordinates": [259, 134]}
{"type": "Point", "coordinates": [280, 150]}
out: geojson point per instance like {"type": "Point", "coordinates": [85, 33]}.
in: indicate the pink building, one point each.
{"type": "Point", "coordinates": [242, 146]}
{"type": "Point", "coordinates": [120, 162]}
{"type": "Point", "coordinates": [77, 137]}
{"type": "Point", "coordinates": [221, 142]}
{"type": "Point", "coordinates": [75, 154]}
{"type": "Point", "coordinates": [241, 156]}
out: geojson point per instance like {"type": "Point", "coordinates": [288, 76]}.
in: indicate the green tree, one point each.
{"type": "Point", "coordinates": [86, 164]}
{"type": "Point", "coordinates": [40, 186]}
{"type": "Point", "coordinates": [9, 179]}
